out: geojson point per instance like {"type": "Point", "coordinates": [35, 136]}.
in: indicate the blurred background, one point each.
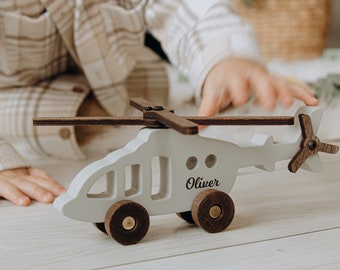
{"type": "Point", "coordinates": [333, 40]}
{"type": "Point", "coordinates": [293, 29]}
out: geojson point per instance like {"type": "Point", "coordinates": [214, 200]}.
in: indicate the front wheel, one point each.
{"type": "Point", "coordinates": [127, 222]}
{"type": "Point", "coordinates": [213, 210]}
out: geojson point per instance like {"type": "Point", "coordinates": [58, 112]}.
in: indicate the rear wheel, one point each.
{"type": "Point", "coordinates": [213, 210]}
{"type": "Point", "coordinates": [127, 222]}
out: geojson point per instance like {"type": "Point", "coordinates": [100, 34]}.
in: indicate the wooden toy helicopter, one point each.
{"type": "Point", "coordinates": [194, 174]}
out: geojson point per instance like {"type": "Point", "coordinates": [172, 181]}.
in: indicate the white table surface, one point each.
{"type": "Point", "coordinates": [282, 221]}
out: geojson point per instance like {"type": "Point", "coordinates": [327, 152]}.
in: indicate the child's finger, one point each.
{"type": "Point", "coordinates": [209, 105]}
{"type": "Point", "coordinates": [47, 184]}
{"type": "Point", "coordinates": [13, 194]}
{"type": "Point", "coordinates": [31, 189]}
{"type": "Point", "coordinates": [38, 172]}
{"type": "Point", "coordinates": [239, 89]}
{"type": "Point", "coordinates": [301, 91]}
{"type": "Point", "coordinates": [304, 95]}
{"type": "Point", "coordinates": [263, 89]}
{"type": "Point", "coordinates": [44, 180]}
{"type": "Point", "coordinates": [283, 92]}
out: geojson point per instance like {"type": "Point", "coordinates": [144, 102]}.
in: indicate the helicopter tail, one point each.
{"type": "Point", "coordinates": [307, 157]}
{"type": "Point", "coordinates": [266, 142]}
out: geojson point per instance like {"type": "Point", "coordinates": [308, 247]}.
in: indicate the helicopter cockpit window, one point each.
{"type": "Point", "coordinates": [160, 167]}
{"type": "Point", "coordinates": [103, 187]}
{"type": "Point", "coordinates": [132, 179]}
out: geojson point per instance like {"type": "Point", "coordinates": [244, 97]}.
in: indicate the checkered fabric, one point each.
{"type": "Point", "coordinates": [54, 52]}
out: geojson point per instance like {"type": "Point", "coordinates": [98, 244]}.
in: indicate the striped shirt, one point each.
{"type": "Point", "coordinates": [54, 52]}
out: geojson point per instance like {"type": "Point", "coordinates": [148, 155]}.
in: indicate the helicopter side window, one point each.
{"type": "Point", "coordinates": [191, 162]}
{"type": "Point", "coordinates": [210, 161]}
{"type": "Point", "coordinates": [160, 167]}
{"type": "Point", "coordinates": [132, 179]}
{"type": "Point", "coordinates": [104, 187]}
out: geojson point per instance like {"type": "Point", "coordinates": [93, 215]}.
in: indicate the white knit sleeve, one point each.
{"type": "Point", "coordinates": [196, 35]}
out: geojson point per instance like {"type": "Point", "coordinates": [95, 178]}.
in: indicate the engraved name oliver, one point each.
{"type": "Point", "coordinates": [199, 182]}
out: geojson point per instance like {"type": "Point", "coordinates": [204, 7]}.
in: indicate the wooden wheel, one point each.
{"type": "Point", "coordinates": [127, 222]}
{"type": "Point", "coordinates": [100, 226]}
{"type": "Point", "coordinates": [187, 216]}
{"type": "Point", "coordinates": [213, 210]}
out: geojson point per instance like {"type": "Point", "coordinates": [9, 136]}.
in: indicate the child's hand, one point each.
{"type": "Point", "coordinates": [232, 81]}
{"type": "Point", "coordinates": [21, 185]}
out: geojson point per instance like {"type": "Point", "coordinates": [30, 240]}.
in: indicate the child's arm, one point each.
{"type": "Point", "coordinates": [233, 81]}
{"type": "Point", "coordinates": [218, 52]}
{"type": "Point", "coordinates": [62, 96]}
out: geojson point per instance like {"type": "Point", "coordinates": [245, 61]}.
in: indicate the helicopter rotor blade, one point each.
{"type": "Point", "coordinates": [140, 103]}
{"type": "Point", "coordinates": [241, 120]}
{"type": "Point", "coordinates": [158, 117]}
{"type": "Point", "coordinates": [170, 119]}
{"type": "Point", "coordinates": [164, 116]}
{"type": "Point", "coordinates": [200, 120]}
{"type": "Point", "coordinates": [95, 120]}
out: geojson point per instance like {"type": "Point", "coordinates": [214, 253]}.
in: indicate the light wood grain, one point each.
{"type": "Point", "coordinates": [317, 250]}
{"type": "Point", "coordinates": [269, 206]}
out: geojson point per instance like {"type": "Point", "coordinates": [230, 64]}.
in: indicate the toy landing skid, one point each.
{"type": "Point", "coordinates": [195, 173]}
{"type": "Point", "coordinates": [155, 116]}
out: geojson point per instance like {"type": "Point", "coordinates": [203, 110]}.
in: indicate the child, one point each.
{"type": "Point", "coordinates": [54, 53]}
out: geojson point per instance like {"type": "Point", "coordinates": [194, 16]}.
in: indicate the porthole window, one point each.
{"type": "Point", "coordinates": [191, 163]}
{"type": "Point", "coordinates": [210, 161]}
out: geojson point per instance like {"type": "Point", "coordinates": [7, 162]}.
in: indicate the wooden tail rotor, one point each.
{"type": "Point", "coordinates": [310, 144]}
